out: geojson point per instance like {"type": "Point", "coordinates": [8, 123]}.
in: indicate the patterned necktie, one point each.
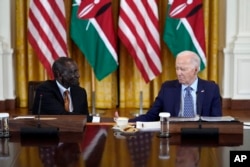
{"type": "Point", "coordinates": [188, 103]}
{"type": "Point", "coordinates": [66, 100]}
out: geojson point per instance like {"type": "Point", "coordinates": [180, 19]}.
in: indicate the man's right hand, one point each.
{"type": "Point", "coordinates": [116, 114]}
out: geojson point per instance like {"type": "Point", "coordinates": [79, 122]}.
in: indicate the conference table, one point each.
{"type": "Point", "coordinates": [82, 144]}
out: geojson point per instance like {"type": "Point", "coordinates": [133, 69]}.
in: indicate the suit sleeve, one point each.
{"type": "Point", "coordinates": [79, 99]}
{"type": "Point", "coordinates": [216, 105]}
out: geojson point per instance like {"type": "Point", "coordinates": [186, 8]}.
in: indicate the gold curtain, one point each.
{"type": "Point", "coordinates": [122, 88]}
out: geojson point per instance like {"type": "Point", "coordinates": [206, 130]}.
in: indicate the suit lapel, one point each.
{"type": "Point", "coordinates": [73, 93]}
{"type": "Point", "coordinates": [200, 95]}
{"type": "Point", "coordinates": [177, 97]}
{"type": "Point", "coordinates": [57, 91]}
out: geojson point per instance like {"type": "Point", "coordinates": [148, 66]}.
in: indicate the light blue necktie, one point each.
{"type": "Point", "coordinates": [188, 103]}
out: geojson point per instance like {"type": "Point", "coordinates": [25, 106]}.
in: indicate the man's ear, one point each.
{"type": "Point", "coordinates": [197, 69]}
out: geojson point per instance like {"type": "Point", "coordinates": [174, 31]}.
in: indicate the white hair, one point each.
{"type": "Point", "coordinates": [195, 59]}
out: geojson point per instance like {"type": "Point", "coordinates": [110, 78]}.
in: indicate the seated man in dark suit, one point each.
{"type": "Point", "coordinates": [53, 102]}
{"type": "Point", "coordinates": [205, 95]}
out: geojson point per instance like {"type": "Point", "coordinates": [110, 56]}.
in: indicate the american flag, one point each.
{"type": "Point", "coordinates": [139, 32]}
{"type": "Point", "coordinates": [47, 31]}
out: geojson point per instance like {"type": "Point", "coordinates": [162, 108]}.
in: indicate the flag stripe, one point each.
{"type": "Point", "coordinates": [57, 18]}
{"type": "Point", "coordinates": [34, 34]}
{"type": "Point", "coordinates": [37, 32]}
{"type": "Point", "coordinates": [150, 35]}
{"type": "Point", "coordinates": [50, 25]}
{"type": "Point", "coordinates": [59, 11]}
{"type": "Point", "coordinates": [47, 31]}
{"type": "Point", "coordinates": [195, 41]}
{"type": "Point", "coordinates": [44, 60]}
{"type": "Point", "coordinates": [139, 31]}
{"type": "Point", "coordinates": [152, 22]}
{"type": "Point", "coordinates": [140, 58]}
{"type": "Point", "coordinates": [135, 32]}
{"type": "Point", "coordinates": [105, 39]}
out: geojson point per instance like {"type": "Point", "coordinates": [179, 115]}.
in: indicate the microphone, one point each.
{"type": "Point", "coordinates": [39, 111]}
{"type": "Point", "coordinates": [198, 108]}
{"type": "Point", "coordinates": [39, 132]}
{"type": "Point", "coordinates": [200, 132]}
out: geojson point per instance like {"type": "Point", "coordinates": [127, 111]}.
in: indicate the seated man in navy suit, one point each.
{"type": "Point", "coordinates": [66, 76]}
{"type": "Point", "coordinates": [205, 94]}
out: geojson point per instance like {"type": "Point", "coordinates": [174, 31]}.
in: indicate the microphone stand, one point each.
{"type": "Point", "coordinates": [199, 110]}
{"type": "Point", "coordinates": [39, 110]}
{"type": "Point", "coordinates": [38, 132]}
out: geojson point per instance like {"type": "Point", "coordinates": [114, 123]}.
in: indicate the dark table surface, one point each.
{"type": "Point", "coordinates": [100, 145]}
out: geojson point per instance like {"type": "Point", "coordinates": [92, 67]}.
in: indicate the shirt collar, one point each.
{"type": "Point", "coordinates": [193, 85]}
{"type": "Point", "coordinates": [61, 88]}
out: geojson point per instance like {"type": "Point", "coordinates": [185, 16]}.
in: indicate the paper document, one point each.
{"type": "Point", "coordinates": [214, 119]}
{"type": "Point", "coordinates": [203, 118]}
{"type": "Point", "coordinates": [25, 117]}
{"type": "Point", "coordinates": [148, 126]}
{"type": "Point", "coordinates": [246, 125]}
{"type": "Point", "coordinates": [183, 119]}
{"type": "Point", "coordinates": [33, 117]}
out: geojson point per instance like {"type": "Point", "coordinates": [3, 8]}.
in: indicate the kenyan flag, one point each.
{"type": "Point", "coordinates": [184, 28]}
{"type": "Point", "coordinates": [92, 30]}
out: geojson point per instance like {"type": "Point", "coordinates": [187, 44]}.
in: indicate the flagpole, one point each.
{"type": "Point", "coordinates": [140, 112]}
{"type": "Point", "coordinates": [141, 98]}
{"type": "Point", "coordinates": [94, 111]}
{"type": "Point", "coordinates": [45, 74]}
{"type": "Point", "coordinates": [93, 92]}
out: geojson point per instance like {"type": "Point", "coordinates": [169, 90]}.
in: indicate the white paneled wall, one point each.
{"type": "Point", "coordinates": [7, 82]}
{"type": "Point", "coordinates": [7, 67]}
{"type": "Point", "coordinates": [236, 62]}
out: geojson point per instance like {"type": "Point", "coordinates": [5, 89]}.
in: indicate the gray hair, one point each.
{"type": "Point", "coordinates": [195, 59]}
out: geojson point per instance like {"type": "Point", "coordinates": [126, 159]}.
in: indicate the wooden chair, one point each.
{"type": "Point", "coordinates": [32, 86]}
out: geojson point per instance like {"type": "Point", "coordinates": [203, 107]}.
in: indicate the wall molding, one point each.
{"type": "Point", "coordinates": [7, 105]}
{"type": "Point", "coordinates": [235, 104]}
